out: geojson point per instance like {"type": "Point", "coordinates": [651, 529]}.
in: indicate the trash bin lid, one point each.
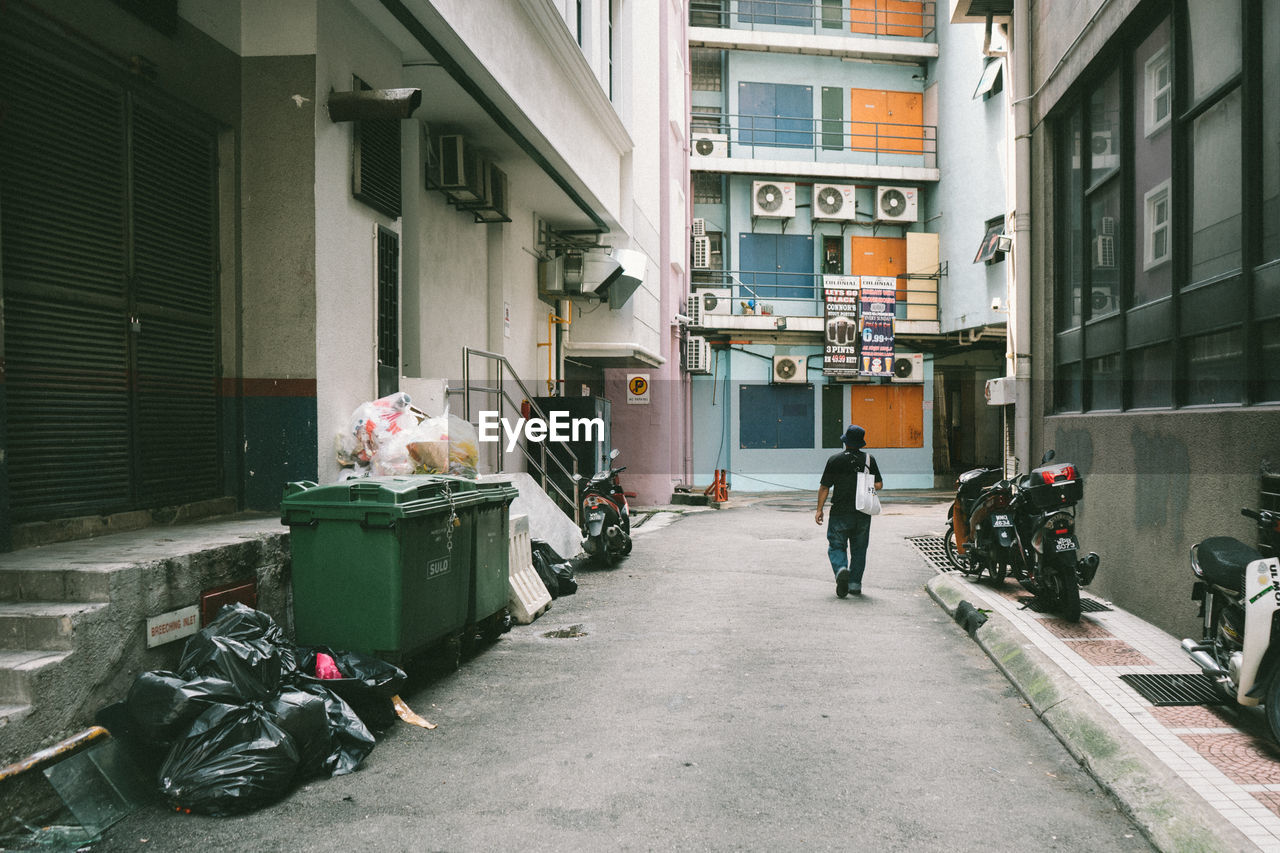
{"type": "Point", "coordinates": [388, 497]}
{"type": "Point", "coordinates": [497, 491]}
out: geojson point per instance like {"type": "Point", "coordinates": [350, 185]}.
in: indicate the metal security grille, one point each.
{"type": "Point", "coordinates": [388, 311]}
{"type": "Point", "coordinates": [375, 173]}
{"type": "Point", "coordinates": [1175, 689]}
{"type": "Point", "coordinates": [1087, 605]}
{"type": "Point", "coordinates": [109, 264]}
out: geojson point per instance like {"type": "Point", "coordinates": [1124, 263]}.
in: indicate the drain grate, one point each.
{"type": "Point", "coordinates": [567, 633]}
{"type": "Point", "coordinates": [1184, 688]}
{"type": "Point", "coordinates": [1087, 605]}
{"type": "Point", "coordinates": [933, 549]}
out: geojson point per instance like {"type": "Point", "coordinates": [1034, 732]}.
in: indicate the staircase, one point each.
{"type": "Point", "coordinates": [72, 615]}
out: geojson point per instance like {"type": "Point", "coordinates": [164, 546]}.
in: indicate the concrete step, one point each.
{"type": "Point", "coordinates": [12, 714]}
{"type": "Point", "coordinates": [50, 583]}
{"type": "Point", "coordinates": [46, 625]}
{"type": "Point", "coordinates": [19, 671]}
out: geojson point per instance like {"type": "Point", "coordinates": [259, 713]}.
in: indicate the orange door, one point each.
{"type": "Point", "coordinates": [905, 119]}
{"type": "Point", "coordinates": [867, 110]}
{"type": "Point", "coordinates": [880, 256]}
{"type": "Point", "coordinates": [892, 415]}
{"type": "Point", "coordinates": [887, 17]}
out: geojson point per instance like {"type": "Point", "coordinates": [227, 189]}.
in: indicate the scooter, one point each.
{"type": "Point", "coordinates": [606, 516]}
{"type": "Point", "coordinates": [1239, 594]}
{"type": "Point", "coordinates": [980, 531]}
{"type": "Point", "coordinates": [1049, 564]}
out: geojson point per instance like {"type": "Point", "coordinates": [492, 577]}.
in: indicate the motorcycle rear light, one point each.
{"type": "Point", "coordinates": [1062, 473]}
{"type": "Point", "coordinates": [1062, 531]}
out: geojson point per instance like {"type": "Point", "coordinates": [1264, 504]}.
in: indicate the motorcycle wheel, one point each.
{"type": "Point", "coordinates": [626, 549]}
{"type": "Point", "coordinates": [1271, 702]}
{"type": "Point", "coordinates": [606, 555]}
{"type": "Point", "coordinates": [999, 571]}
{"type": "Point", "coordinates": [955, 558]}
{"type": "Point", "coordinates": [1068, 593]}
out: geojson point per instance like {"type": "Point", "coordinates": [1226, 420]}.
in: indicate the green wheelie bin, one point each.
{"type": "Point", "coordinates": [381, 565]}
{"type": "Point", "coordinates": [491, 559]}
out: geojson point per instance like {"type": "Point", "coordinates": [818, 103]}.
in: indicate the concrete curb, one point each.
{"type": "Point", "coordinates": [1166, 809]}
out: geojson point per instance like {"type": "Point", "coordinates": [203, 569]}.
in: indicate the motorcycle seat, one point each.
{"type": "Point", "coordinates": [1222, 560]}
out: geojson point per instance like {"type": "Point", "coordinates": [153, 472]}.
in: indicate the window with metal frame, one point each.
{"type": "Point", "coordinates": [375, 151]}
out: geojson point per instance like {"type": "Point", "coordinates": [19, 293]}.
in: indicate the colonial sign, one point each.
{"type": "Point", "coordinates": [840, 348]}
{"type": "Point", "coordinates": [878, 298]}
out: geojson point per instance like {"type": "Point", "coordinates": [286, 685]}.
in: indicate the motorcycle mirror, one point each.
{"type": "Point", "coordinates": [613, 454]}
{"type": "Point", "coordinates": [1048, 455]}
{"type": "Point", "coordinates": [577, 478]}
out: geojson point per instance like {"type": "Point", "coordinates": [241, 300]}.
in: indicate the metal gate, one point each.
{"type": "Point", "coordinates": [108, 234]}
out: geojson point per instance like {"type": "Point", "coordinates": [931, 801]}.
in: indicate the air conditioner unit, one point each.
{"type": "Point", "coordinates": [697, 354]}
{"type": "Point", "coordinates": [701, 253]}
{"type": "Point", "coordinates": [493, 208]}
{"type": "Point", "coordinates": [774, 199]}
{"type": "Point", "coordinates": [896, 204]}
{"type": "Point", "coordinates": [693, 310]}
{"type": "Point", "coordinates": [1101, 301]}
{"type": "Point", "coordinates": [716, 300]}
{"type": "Point", "coordinates": [698, 228]}
{"type": "Point", "coordinates": [463, 172]}
{"type": "Point", "coordinates": [833, 202]}
{"type": "Point", "coordinates": [908, 367]}
{"type": "Point", "coordinates": [710, 145]}
{"type": "Point", "coordinates": [1104, 251]}
{"type": "Point", "coordinates": [789, 368]}
{"type": "Point", "coordinates": [1102, 147]}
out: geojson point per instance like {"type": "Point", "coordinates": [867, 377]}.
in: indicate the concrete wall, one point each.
{"type": "Point", "coordinates": [972, 161]}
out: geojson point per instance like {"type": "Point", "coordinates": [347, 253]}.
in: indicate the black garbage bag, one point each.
{"type": "Point", "coordinates": [565, 580]}
{"type": "Point", "coordinates": [305, 716]}
{"type": "Point", "coordinates": [556, 572]}
{"type": "Point", "coordinates": [367, 684]}
{"type": "Point", "coordinates": [163, 705]}
{"type": "Point", "coordinates": [233, 760]}
{"type": "Point", "coordinates": [243, 646]}
{"type": "Point", "coordinates": [543, 568]}
{"type": "Point", "coordinates": [349, 739]}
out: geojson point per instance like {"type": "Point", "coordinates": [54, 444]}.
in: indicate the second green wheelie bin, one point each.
{"type": "Point", "coordinates": [381, 565]}
{"type": "Point", "coordinates": [491, 558]}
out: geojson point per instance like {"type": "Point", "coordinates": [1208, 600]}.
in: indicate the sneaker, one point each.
{"type": "Point", "coordinates": [842, 583]}
{"type": "Point", "coordinates": [855, 588]}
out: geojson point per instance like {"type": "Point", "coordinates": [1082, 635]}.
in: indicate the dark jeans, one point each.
{"type": "Point", "coordinates": [848, 532]}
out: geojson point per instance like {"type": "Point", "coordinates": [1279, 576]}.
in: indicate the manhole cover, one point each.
{"type": "Point", "coordinates": [566, 633]}
{"type": "Point", "coordinates": [1087, 605]}
{"type": "Point", "coordinates": [933, 549]}
{"type": "Point", "coordinates": [1189, 688]}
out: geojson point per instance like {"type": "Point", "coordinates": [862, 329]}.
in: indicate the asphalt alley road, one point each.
{"type": "Point", "coordinates": [717, 696]}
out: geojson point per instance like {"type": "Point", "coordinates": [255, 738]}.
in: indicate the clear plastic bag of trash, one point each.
{"type": "Point", "coordinates": [376, 422]}
{"type": "Point", "coordinates": [234, 759]}
{"type": "Point", "coordinates": [464, 448]}
{"type": "Point", "coordinates": [242, 646]}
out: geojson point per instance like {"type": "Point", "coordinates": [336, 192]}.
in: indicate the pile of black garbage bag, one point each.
{"type": "Point", "coordinates": [556, 572]}
{"type": "Point", "coordinates": [244, 719]}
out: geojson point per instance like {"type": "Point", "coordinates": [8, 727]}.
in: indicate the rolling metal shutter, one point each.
{"type": "Point", "coordinates": [109, 262]}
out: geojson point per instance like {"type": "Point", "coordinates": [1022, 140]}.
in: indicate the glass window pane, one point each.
{"type": "Point", "coordinates": [1067, 389]}
{"type": "Point", "coordinates": [1269, 366]}
{"type": "Point", "coordinates": [1104, 129]}
{"type": "Point", "coordinates": [1216, 190]}
{"type": "Point", "coordinates": [1215, 368]}
{"type": "Point", "coordinates": [1104, 231]}
{"type": "Point", "coordinates": [1214, 29]}
{"type": "Point", "coordinates": [1270, 152]}
{"type": "Point", "coordinates": [1104, 382]}
{"type": "Point", "coordinates": [1151, 232]}
{"type": "Point", "coordinates": [1151, 377]}
{"type": "Point", "coordinates": [1067, 314]}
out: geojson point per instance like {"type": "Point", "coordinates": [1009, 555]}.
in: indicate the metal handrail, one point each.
{"type": "Point", "coordinates": [884, 20]}
{"type": "Point", "coordinates": [540, 463]}
{"type": "Point", "coordinates": [807, 287]}
{"type": "Point", "coordinates": [805, 133]}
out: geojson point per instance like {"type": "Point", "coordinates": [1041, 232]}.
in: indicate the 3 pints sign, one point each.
{"type": "Point", "coordinates": [840, 347]}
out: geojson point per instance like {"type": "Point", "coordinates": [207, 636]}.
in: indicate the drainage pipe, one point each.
{"type": "Point", "coordinates": [1020, 314]}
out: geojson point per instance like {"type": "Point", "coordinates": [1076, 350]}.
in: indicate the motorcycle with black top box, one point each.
{"type": "Point", "coordinates": [1239, 594]}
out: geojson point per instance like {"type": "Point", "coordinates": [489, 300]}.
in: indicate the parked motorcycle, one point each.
{"type": "Point", "coordinates": [1239, 594]}
{"type": "Point", "coordinates": [980, 531]}
{"type": "Point", "coordinates": [606, 516]}
{"type": "Point", "coordinates": [1049, 564]}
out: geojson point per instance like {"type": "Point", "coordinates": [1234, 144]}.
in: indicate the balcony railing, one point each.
{"type": "Point", "coordinates": [911, 19]}
{"type": "Point", "coordinates": [817, 140]}
{"type": "Point", "coordinates": [800, 294]}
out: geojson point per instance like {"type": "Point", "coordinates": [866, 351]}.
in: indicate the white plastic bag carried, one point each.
{"type": "Point", "coordinates": [867, 500]}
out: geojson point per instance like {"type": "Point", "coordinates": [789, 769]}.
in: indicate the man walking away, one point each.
{"type": "Point", "coordinates": [849, 530]}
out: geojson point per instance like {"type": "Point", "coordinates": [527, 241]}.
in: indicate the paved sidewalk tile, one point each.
{"type": "Point", "coordinates": [1223, 752]}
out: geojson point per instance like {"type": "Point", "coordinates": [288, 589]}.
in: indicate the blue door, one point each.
{"type": "Point", "coordinates": [776, 266]}
{"type": "Point", "coordinates": [775, 114]}
{"type": "Point", "coordinates": [775, 416]}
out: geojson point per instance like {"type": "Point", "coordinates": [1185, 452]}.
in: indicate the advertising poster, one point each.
{"type": "Point", "coordinates": [840, 302]}
{"type": "Point", "coordinates": [877, 303]}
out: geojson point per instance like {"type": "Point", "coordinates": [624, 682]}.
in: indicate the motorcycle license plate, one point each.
{"type": "Point", "coordinates": [1001, 521]}
{"type": "Point", "coordinates": [1066, 543]}
{"type": "Point", "coordinates": [596, 515]}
